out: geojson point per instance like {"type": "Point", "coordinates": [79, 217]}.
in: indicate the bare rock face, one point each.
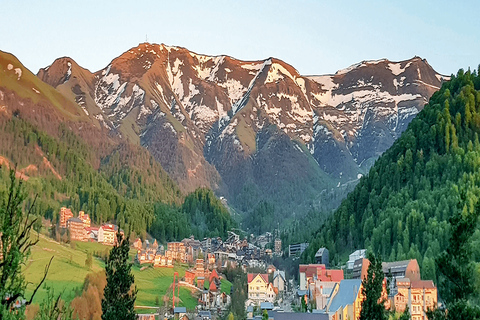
{"type": "Point", "coordinates": [252, 130]}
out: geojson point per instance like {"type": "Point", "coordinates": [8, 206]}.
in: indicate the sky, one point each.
{"type": "Point", "coordinates": [315, 37]}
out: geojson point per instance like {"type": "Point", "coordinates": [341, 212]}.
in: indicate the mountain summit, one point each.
{"type": "Point", "coordinates": [252, 130]}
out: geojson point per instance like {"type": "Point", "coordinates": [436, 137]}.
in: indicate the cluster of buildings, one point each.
{"type": "Point", "coordinates": [79, 228]}
{"type": "Point", "coordinates": [328, 292]}
{"type": "Point", "coordinates": [232, 251]}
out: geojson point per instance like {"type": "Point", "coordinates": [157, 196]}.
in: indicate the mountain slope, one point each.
{"type": "Point", "coordinates": [68, 158]}
{"type": "Point", "coordinates": [430, 173]}
{"type": "Point", "coordinates": [252, 129]}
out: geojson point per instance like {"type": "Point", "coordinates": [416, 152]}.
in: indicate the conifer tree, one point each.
{"type": "Point", "coordinates": [119, 296]}
{"type": "Point", "coordinates": [15, 243]}
{"type": "Point", "coordinates": [373, 307]}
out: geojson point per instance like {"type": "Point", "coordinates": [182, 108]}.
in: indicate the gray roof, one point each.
{"type": "Point", "coordinates": [395, 266]}
{"type": "Point", "coordinates": [279, 273]}
{"type": "Point", "coordinates": [297, 316]}
{"type": "Point", "coordinates": [347, 292]}
{"type": "Point", "coordinates": [180, 310]}
{"type": "Point", "coordinates": [320, 252]}
{"type": "Point", "coordinates": [75, 219]}
{"type": "Point", "coordinates": [250, 309]}
{"type": "Point", "coordinates": [266, 305]}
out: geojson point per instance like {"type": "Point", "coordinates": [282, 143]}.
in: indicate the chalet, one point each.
{"type": "Point", "coordinates": [85, 219]}
{"type": "Point", "coordinates": [76, 229]}
{"type": "Point", "coordinates": [259, 288]}
{"type": "Point", "coordinates": [138, 244]}
{"type": "Point", "coordinates": [65, 214]}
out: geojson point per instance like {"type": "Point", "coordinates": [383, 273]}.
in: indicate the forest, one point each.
{"type": "Point", "coordinates": [401, 209]}
{"type": "Point", "coordinates": [125, 185]}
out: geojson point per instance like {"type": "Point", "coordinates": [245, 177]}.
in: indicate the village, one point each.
{"type": "Point", "coordinates": [315, 292]}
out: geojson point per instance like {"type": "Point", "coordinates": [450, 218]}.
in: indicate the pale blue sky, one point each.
{"type": "Point", "coordinates": [316, 37]}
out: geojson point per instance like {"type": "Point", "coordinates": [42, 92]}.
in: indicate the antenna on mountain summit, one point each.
{"type": "Point", "coordinates": [146, 38]}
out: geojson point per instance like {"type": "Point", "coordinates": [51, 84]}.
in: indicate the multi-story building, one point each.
{"type": "Point", "coordinates": [400, 270]}
{"type": "Point", "coordinates": [65, 214]}
{"type": "Point", "coordinates": [177, 251]}
{"type": "Point", "coordinates": [358, 254]}
{"type": "Point", "coordinates": [297, 249]}
{"type": "Point", "coordinates": [76, 229]}
{"type": "Point", "coordinates": [418, 296]}
{"type": "Point", "coordinates": [107, 234]}
{"type": "Point", "coordinates": [85, 219]}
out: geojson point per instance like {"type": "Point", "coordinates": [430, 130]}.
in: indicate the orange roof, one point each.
{"type": "Point", "coordinates": [330, 275]}
{"type": "Point", "coordinates": [213, 286]}
{"type": "Point", "coordinates": [214, 274]}
{"type": "Point", "coordinates": [252, 276]}
{"type": "Point", "coordinates": [422, 284]}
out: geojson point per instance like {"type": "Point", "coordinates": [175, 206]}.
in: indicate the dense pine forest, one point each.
{"type": "Point", "coordinates": [402, 207]}
{"type": "Point", "coordinates": [126, 186]}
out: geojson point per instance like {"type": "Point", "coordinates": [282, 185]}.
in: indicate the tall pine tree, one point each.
{"type": "Point", "coordinates": [373, 307]}
{"type": "Point", "coordinates": [119, 300]}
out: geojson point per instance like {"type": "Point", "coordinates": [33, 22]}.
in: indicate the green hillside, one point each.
{"type": "Point", "coordinates": [68, 271]}
{"type": "Point", "coordinates": [401, 208]}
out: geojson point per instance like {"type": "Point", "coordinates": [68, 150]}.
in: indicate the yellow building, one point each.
{"type": "Point", "coordinates": [107, 234]}
{"type": "Point", "coordinates": [259, 289]}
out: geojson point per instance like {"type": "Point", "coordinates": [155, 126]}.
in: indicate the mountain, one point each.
{"type": "Point", "coordinates": [401, 209]}
{"type": "Point", "coordinates": [251, 130]}
{"type": "Point", "coordinates": [67, 158]}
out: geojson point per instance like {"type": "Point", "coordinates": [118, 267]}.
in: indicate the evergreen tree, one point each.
{"type": "Point", "coordinates": [373, 307]}
{"type": "Point", "coordinates": [119, 296]}
{"type": "Point", "coordinates": [458, 272]}
{"type": "Point", "coordinates": [15, 243]}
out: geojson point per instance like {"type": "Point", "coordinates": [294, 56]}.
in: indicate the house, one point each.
{"type": "Point", "coordinates": [200, 282]}
{"type": "Point", "coordinates": [177, 251]}
{"type": "Point", "coordinates": [85, 218]}
{"type": "Point", "coordinates": [137, 244]}
{"type": "Point", "coordinates": [321, 257]}
{"type": "Point", "coordinates": [65, 214]}
{"type": "Point", "coordinates": [107, 234]}
{"type": "Point", "coordinates": [204, 315]}
{"type": "Point", "coordinates": [189, 277]}
{"type": "Point", "coordinates": [179, 312]}
{"type": "Point", "coordinates": [279, 280]}
{"type": "Point", "coordinates": [259, 289]}
{"type": "Point", "coordinates": [347, 302]}
{"type": "Point", "coordinates": [311, 272]}
{"type": "Point", "coordinates": [76, 229]}
{"type": "Point", "coordinates": [266, 306]}
{"type": "Point", "coordinates": [418, 296]}
{"type": "Point", "coordinates": [322, 292]}
{"type": "Point", "coordinates": [92, 234]}
{"type": "Point", "coordinates": [358, 254]}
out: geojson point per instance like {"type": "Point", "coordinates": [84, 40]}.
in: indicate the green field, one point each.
{"type": "Point", "coordinates": [68, 272]}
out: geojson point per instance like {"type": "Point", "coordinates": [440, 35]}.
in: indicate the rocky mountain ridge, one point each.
{"type": "Point", "coordinates": [252, 130]}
